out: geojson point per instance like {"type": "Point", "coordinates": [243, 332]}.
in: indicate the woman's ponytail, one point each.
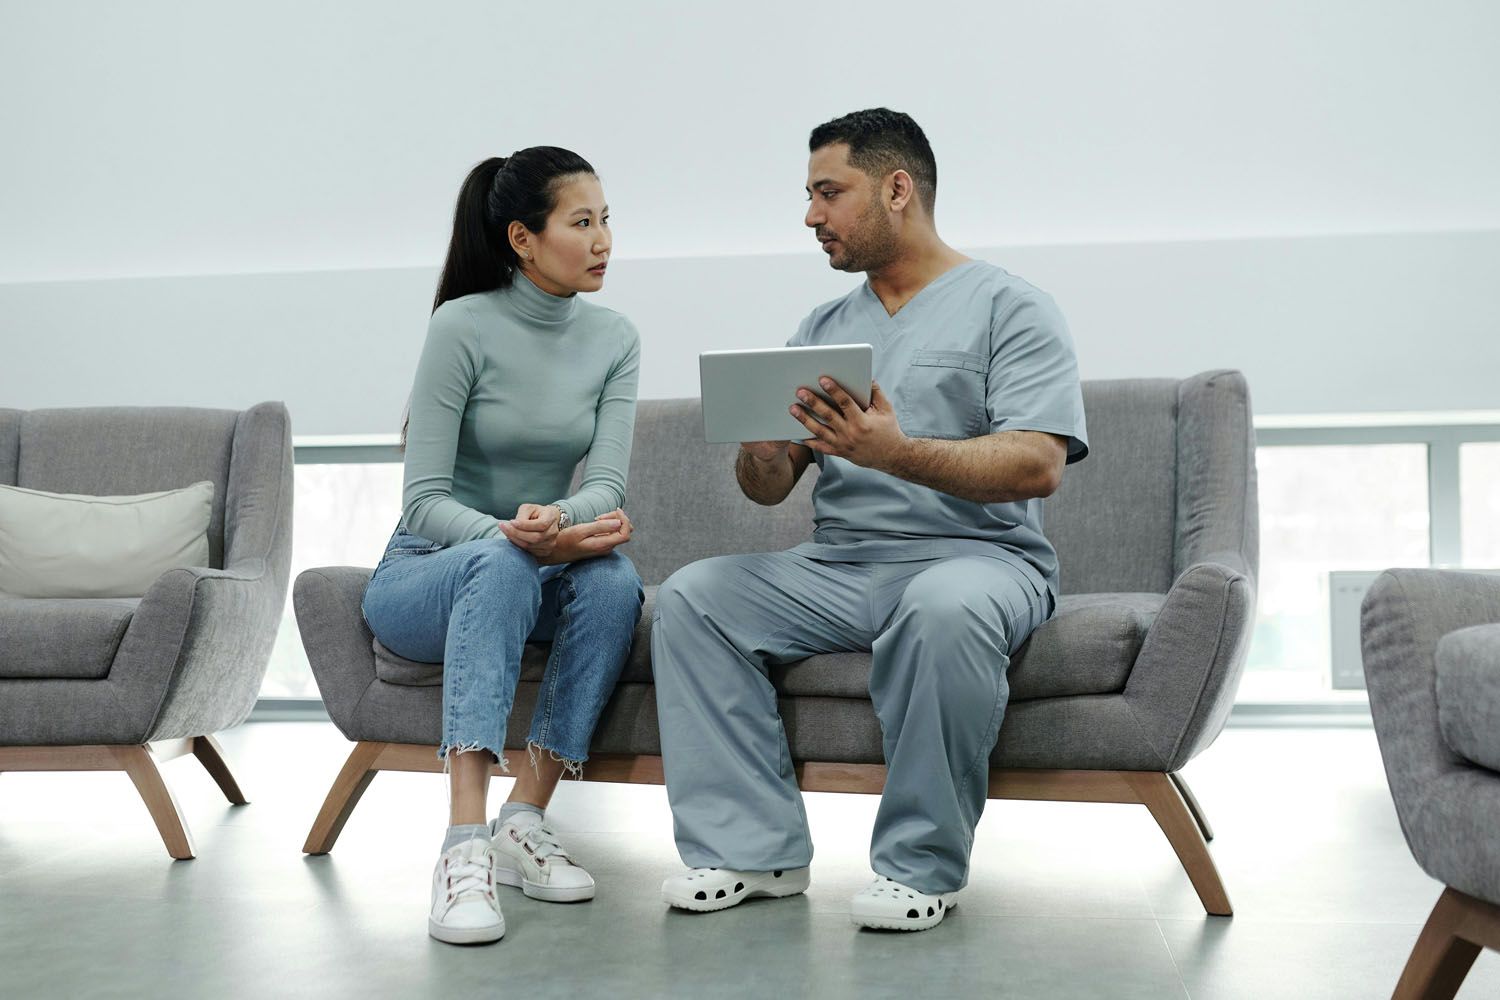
{"type": "Point", "coordinates": [479, 253]}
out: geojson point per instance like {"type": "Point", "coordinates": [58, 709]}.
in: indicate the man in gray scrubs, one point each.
{"type": "Point", "coordinates": [928, 550]}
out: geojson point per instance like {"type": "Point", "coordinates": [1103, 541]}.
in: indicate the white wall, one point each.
{"type": "Point", "coordinates": [214, 204]}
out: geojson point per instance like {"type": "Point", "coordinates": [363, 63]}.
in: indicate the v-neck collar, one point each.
{"type": "Point", "coordinates": [889, 325]}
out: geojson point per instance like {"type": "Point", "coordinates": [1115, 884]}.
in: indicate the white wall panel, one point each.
{"type": "Point", "coordinates": [1325, 325]}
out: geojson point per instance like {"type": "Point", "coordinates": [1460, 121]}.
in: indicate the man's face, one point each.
{"type": "Point", "coordinates": [846, 212]}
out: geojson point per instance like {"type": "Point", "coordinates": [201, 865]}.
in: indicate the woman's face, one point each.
{"type": "Point", "coordinates": [570, 253]}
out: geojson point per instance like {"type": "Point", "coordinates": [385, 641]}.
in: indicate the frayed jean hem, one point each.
{"type": "Point", "coordinates": [571, 768]}
{"type": "Point", "coordinates": [452, 748]}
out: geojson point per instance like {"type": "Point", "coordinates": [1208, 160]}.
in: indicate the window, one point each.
{"type": "Point", "coordinates": [1479, 494]}
{"type": "Point", "coordinates": [1324, 508]}
{"type": "Point", "coordinates": [342, 516]}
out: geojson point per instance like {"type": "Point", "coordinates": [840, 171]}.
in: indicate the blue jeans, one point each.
{"type": "Point", "coordinates": [473, 606]}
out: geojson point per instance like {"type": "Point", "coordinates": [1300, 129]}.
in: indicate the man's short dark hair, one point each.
{"type": "Point", "coordinates": [881, 141]}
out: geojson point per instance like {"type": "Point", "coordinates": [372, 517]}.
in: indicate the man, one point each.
{"type": "Point", "coordinates": [928, 550]}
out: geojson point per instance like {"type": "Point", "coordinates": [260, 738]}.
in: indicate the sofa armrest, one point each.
{"type": "Point", "coordinates": [1217, 512]}
{"type": "Point", "coordinates": [1448, 807]}
{"type": "Point", "coordinates": [337, 640]}
{"type": "Point", "coordinates": [258, 495]}
{"type": "Point", "coordinates": [195, 653]}
{"type": "Point", "coordinates": [1405, 614]}
{"type": "Point", "coordinates": [1182, 685]}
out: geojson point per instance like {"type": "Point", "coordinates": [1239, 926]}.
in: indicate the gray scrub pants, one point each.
{"type": "Point", "coordinates": [941, 632]}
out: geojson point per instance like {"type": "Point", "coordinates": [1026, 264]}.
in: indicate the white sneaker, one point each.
{"type": "Point", "coordinates": [527, 854]}
{"type": "Point", "coordinates": [708, 889]}
{"type": "Point", "coordinates": [888, 905]}
{"type": "Point", "coordinates": [464, 907]}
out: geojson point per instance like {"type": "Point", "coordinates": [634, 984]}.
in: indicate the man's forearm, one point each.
{"type": "Point", "coordinates": [767, 483]}
{"type": "Point", "coordinates": [995, 468]}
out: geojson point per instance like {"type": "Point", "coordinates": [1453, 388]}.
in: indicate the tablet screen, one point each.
{"type": "Point", "coordinates": [746, 394]}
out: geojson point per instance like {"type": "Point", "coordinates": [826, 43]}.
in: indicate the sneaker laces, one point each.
{"type": "Point", "coordinates": [466, 875]}
{"type": "Point", "coordinates": [543, 843]}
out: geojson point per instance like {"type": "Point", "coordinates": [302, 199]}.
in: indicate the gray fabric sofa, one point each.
{"type": "Point", "coordinates": [1431, 644]}
{"type": "Point", "coordinates": [122, 684]}
{"type": "Point", "coordinates": [1156, 532]}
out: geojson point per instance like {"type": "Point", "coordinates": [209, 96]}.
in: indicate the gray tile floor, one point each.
{"type": "Point", "coordinates": [1065, 900]}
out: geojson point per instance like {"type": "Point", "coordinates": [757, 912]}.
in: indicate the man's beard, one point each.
{"type": "Point", "coordinates": [870, 245]}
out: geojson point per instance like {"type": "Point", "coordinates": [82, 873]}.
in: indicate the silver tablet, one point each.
{"type": "Point", "coordinates": [746, 393]}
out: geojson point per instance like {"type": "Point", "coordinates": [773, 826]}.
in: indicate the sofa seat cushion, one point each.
{"type": "Point", "coordinates": [60, 637]}
{"type": "Point", "coordinates": [1468, 693]}
{"type": "Point", "coordinates": [1088, 647]}
{"type": "Point", "coordinates": [394, 669]}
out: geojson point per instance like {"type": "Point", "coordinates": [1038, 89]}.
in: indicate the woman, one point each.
{"type": "Point", "coordinates": [518, 381]}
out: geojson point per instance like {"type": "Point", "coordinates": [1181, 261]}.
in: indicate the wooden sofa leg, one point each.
{"type": "Point", "coordinates": [1457, 928]}
{"type": "Point", "coordinates": [1199, 816]}
{"type": "Point", "coordinates": [358, 771]}
{"type": "Point", "coordinates": [138, 762]}
{"type": "Point", "coordinates": [211, 755]}
{"type": "Point", "coordinates": [1159, 794]}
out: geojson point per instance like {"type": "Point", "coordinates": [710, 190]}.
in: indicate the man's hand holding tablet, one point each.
{"type": "Point", "coordinates": [865, 435]}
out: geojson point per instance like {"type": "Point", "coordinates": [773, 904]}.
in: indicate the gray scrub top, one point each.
{"type": "Point", "coordinates": [975, 352]}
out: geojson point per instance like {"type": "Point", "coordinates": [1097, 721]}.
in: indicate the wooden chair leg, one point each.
{"type": "Point", "coordinates": [137, 762]}
{"type": "Point", "coordinates": [358, 771]}
{"type": "Point", "coordinates": [1199, 816]}
{"type": "Point", "coordinates": [1457, 928]}
{"type": "Point", "coordinates": [211, 755]}
{"type": "Point", "coordinates": [1159, 794]}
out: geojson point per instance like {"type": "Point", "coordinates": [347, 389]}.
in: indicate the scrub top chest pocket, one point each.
{"type": "Point", "coordinates": [942, 395]}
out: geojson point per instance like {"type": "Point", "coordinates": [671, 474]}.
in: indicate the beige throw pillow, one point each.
{"type": "Point", "coordinates": [70, 545]}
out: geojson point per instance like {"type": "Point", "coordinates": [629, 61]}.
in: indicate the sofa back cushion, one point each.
{"type": "Point", "coordinates": [119, 451]}
{"type": "Point", "coordinates": [684, 501]}
{"type": "Point", "coordinates": [1113, 519]}
{"type": "Point", "coordinates": [10, 445]}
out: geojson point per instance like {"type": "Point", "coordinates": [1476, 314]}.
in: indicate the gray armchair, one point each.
{"type": "Point", "coordinates": [1431, 643]}
{"type": "Point", "coordinates": [121, 684]}
{"type": "Point", "coordinates": [1157, 537]}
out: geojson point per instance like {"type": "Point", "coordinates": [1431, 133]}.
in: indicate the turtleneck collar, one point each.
{"type": "Point", "coordinates": [538, 306]}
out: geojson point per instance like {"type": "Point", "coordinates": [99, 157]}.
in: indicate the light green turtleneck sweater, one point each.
{"type": "Point", "coordinates": [514, 388]}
